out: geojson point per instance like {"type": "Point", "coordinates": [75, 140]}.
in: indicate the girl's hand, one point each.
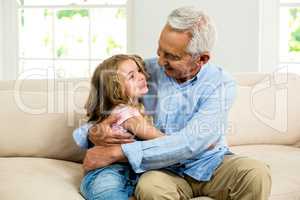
{"type": "Point", "coordinates": [141, 128]}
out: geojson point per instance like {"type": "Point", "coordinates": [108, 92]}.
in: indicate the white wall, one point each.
{"type": "Point", "coordinates": [9, 39]}
{"type": "Point", "coordinates": [237, 22]}
{"type": "Point", "coordinates": [1, 41]}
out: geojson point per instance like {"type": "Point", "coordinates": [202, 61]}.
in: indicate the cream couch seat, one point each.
{"type": "Point", "coordinates": [39, 160]}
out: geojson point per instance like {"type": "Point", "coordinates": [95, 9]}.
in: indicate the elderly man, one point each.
{"type": "Point", "coordinates": [189, 99]}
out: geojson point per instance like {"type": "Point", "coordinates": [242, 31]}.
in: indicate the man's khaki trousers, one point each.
{"type": "Point", "coordinates": [237, 178]}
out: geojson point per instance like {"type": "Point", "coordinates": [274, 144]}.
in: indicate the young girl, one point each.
{"type": "Point", "coordinates": [116, 87]}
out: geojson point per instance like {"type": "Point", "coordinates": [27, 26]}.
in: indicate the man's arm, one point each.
{"type": "Point", "coordinates": [97, 157]}
{"type": "Point", "coordinates": [100, 134]}
{"type": "Point", "coordinates": [203, 130]}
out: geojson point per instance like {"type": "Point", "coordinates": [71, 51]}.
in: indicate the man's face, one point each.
{"type": "Point", "coordinates": [172, 54]}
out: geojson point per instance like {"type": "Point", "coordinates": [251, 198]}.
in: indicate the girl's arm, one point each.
{"type": "Point", "coordinates": [139, 126]}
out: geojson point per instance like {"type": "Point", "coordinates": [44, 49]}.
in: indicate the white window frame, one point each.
{"type": "Point", "coordinates": [295, 4]}
{"type": "Point", "coordinates": [269, 53]}
{"type": "Point", "coordinates": [9, 56]}
{"type": "Point", "coordinates": [269, 35]}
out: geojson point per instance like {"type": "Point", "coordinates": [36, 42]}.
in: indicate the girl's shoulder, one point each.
{"type": "Point", "coordinates": [125, 112]}
{"type": "Point", "coordinates": [124, 108]}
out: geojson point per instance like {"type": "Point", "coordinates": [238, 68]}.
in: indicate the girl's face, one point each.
{"type": "Point", "coordinates": [133, 79]}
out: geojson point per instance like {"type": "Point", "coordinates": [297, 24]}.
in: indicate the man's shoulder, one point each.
{"type": "Point", "coordinates": [151, 64]}
{"type": "Point", "coordinates": [153, 68]}
{"type": "Point", "coordinates": [151, 61]}
{"type": "Point", "coordinates": [217, 73]}
{"type": "Point", "coordinates": [215, 77]}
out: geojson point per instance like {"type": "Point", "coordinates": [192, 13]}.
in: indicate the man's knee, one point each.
{"type": "Point", "coordinates": [157, 184]}
{"type": "Point", "coordinates": [255, 177]}
{"type": "Point", "coordinates": [255, 168]}
{"type": "Point", "coordinates": [147, 185]}
{"type": "Point", "coordinates": [260, 174]}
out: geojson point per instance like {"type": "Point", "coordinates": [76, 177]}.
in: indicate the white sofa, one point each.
{"type": "Point", "coordinates": [39, 160]}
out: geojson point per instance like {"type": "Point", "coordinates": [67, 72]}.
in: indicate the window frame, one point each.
{"type": "Point", "coordinates": [287, 4]}
{"type": "Point", "coordinates": [9, 54]}
{"type": "Point", "coordinates": [269, 36]}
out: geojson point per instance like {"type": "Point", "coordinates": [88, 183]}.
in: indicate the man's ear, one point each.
{"type": "Point", "coordinates": [203, 58]}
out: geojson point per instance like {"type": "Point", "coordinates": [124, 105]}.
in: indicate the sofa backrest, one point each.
{"type": "Point", "coordinates": [38, 117]}
{"type": "Point", "coordinates": [267, 110]}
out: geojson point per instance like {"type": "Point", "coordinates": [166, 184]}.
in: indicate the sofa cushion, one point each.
{"type": "Point", "coordinates": [39, 178]}
{"type": "Point", "coordinates": [32, 127]}
{"type": "Point", "coordinates": [266, 111]}
{"type": "Point", "coordinates": [38, 117]}
{"type": "Point", "coordinates": [202, 198]}
{"type": "Point", "coordinates": [284, 162]}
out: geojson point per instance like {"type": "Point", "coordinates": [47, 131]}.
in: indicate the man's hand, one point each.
{"type": "Point", "coordinates": [101, 134]}
{"type": "Point", "coordinates": [100, 156]}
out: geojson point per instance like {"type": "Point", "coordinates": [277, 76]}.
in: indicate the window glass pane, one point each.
{"type": "Point", "coordinates": [35, 33]}
{"type": "Point", "coordinates": [289, 34]}
{"type": "Point", "coordinates": [36, 69]}
{"type": "Point", "coordinates": [108, 32]}
{"type": "Point", "coordinates": [94, 65]}
{"type": "Point", "coordinates": [70, 41]}
{"type": "Point", "coordinates": [71, 69]}
{"type": "Point", "coordinates": [72, 33]}
{"type": "Point", "coordinates": [68, 2]}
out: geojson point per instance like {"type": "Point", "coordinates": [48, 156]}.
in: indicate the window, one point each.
{"type": "Point", "coordinates": [68, 38]}
{"type": "Point", "coordinates": [289, 34]}
{"type": "Point", "coordinates": [279, 36]}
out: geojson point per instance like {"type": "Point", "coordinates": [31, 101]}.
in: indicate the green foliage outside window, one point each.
{"type": "Point", "coordinates": [61, 51]}
{"type": "Point", "coordinates": [121, 14]}
{"type": "Point", "coordinates": [71, 13]}
{"type": "Point", "coordinates": [111, 45]}
{"type": "Point", "coordinates": [294, 24]}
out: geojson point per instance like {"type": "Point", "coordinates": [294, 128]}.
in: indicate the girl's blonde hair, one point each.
{"type": "Point", "coordinates": [107, 91]}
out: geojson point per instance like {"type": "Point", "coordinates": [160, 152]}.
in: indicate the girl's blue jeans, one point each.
{"type": "Point", "coordinates": [114, 182]}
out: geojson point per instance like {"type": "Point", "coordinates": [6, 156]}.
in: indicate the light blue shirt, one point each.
{"type": "Point", "coordinates": [193, 115]}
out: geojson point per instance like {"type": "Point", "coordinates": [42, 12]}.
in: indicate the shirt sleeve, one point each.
{"type": "Point", "coordinates": [80, 135]}
{"type": "Point", "coordinates": [205, 128]}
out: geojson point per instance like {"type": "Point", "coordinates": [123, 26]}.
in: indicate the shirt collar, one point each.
{"type": "Point", "coordinates": [192, 80]}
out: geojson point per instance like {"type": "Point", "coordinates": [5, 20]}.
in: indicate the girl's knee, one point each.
{"type": "Point", "coordinates": [103, 184]}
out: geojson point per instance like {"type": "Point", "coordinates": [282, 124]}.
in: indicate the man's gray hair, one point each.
{"type": "Point", "coordinates": [198, 24]}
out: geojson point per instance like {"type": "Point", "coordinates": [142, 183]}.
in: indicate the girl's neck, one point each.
{"type": "Point", "coordinates": [134, 101]}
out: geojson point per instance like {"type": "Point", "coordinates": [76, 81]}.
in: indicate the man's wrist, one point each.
{"type": "Point", "coordinates": [119, 155]}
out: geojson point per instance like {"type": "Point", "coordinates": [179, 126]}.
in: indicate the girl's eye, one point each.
{"type": "Point", "coordinates": [131, 77]}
